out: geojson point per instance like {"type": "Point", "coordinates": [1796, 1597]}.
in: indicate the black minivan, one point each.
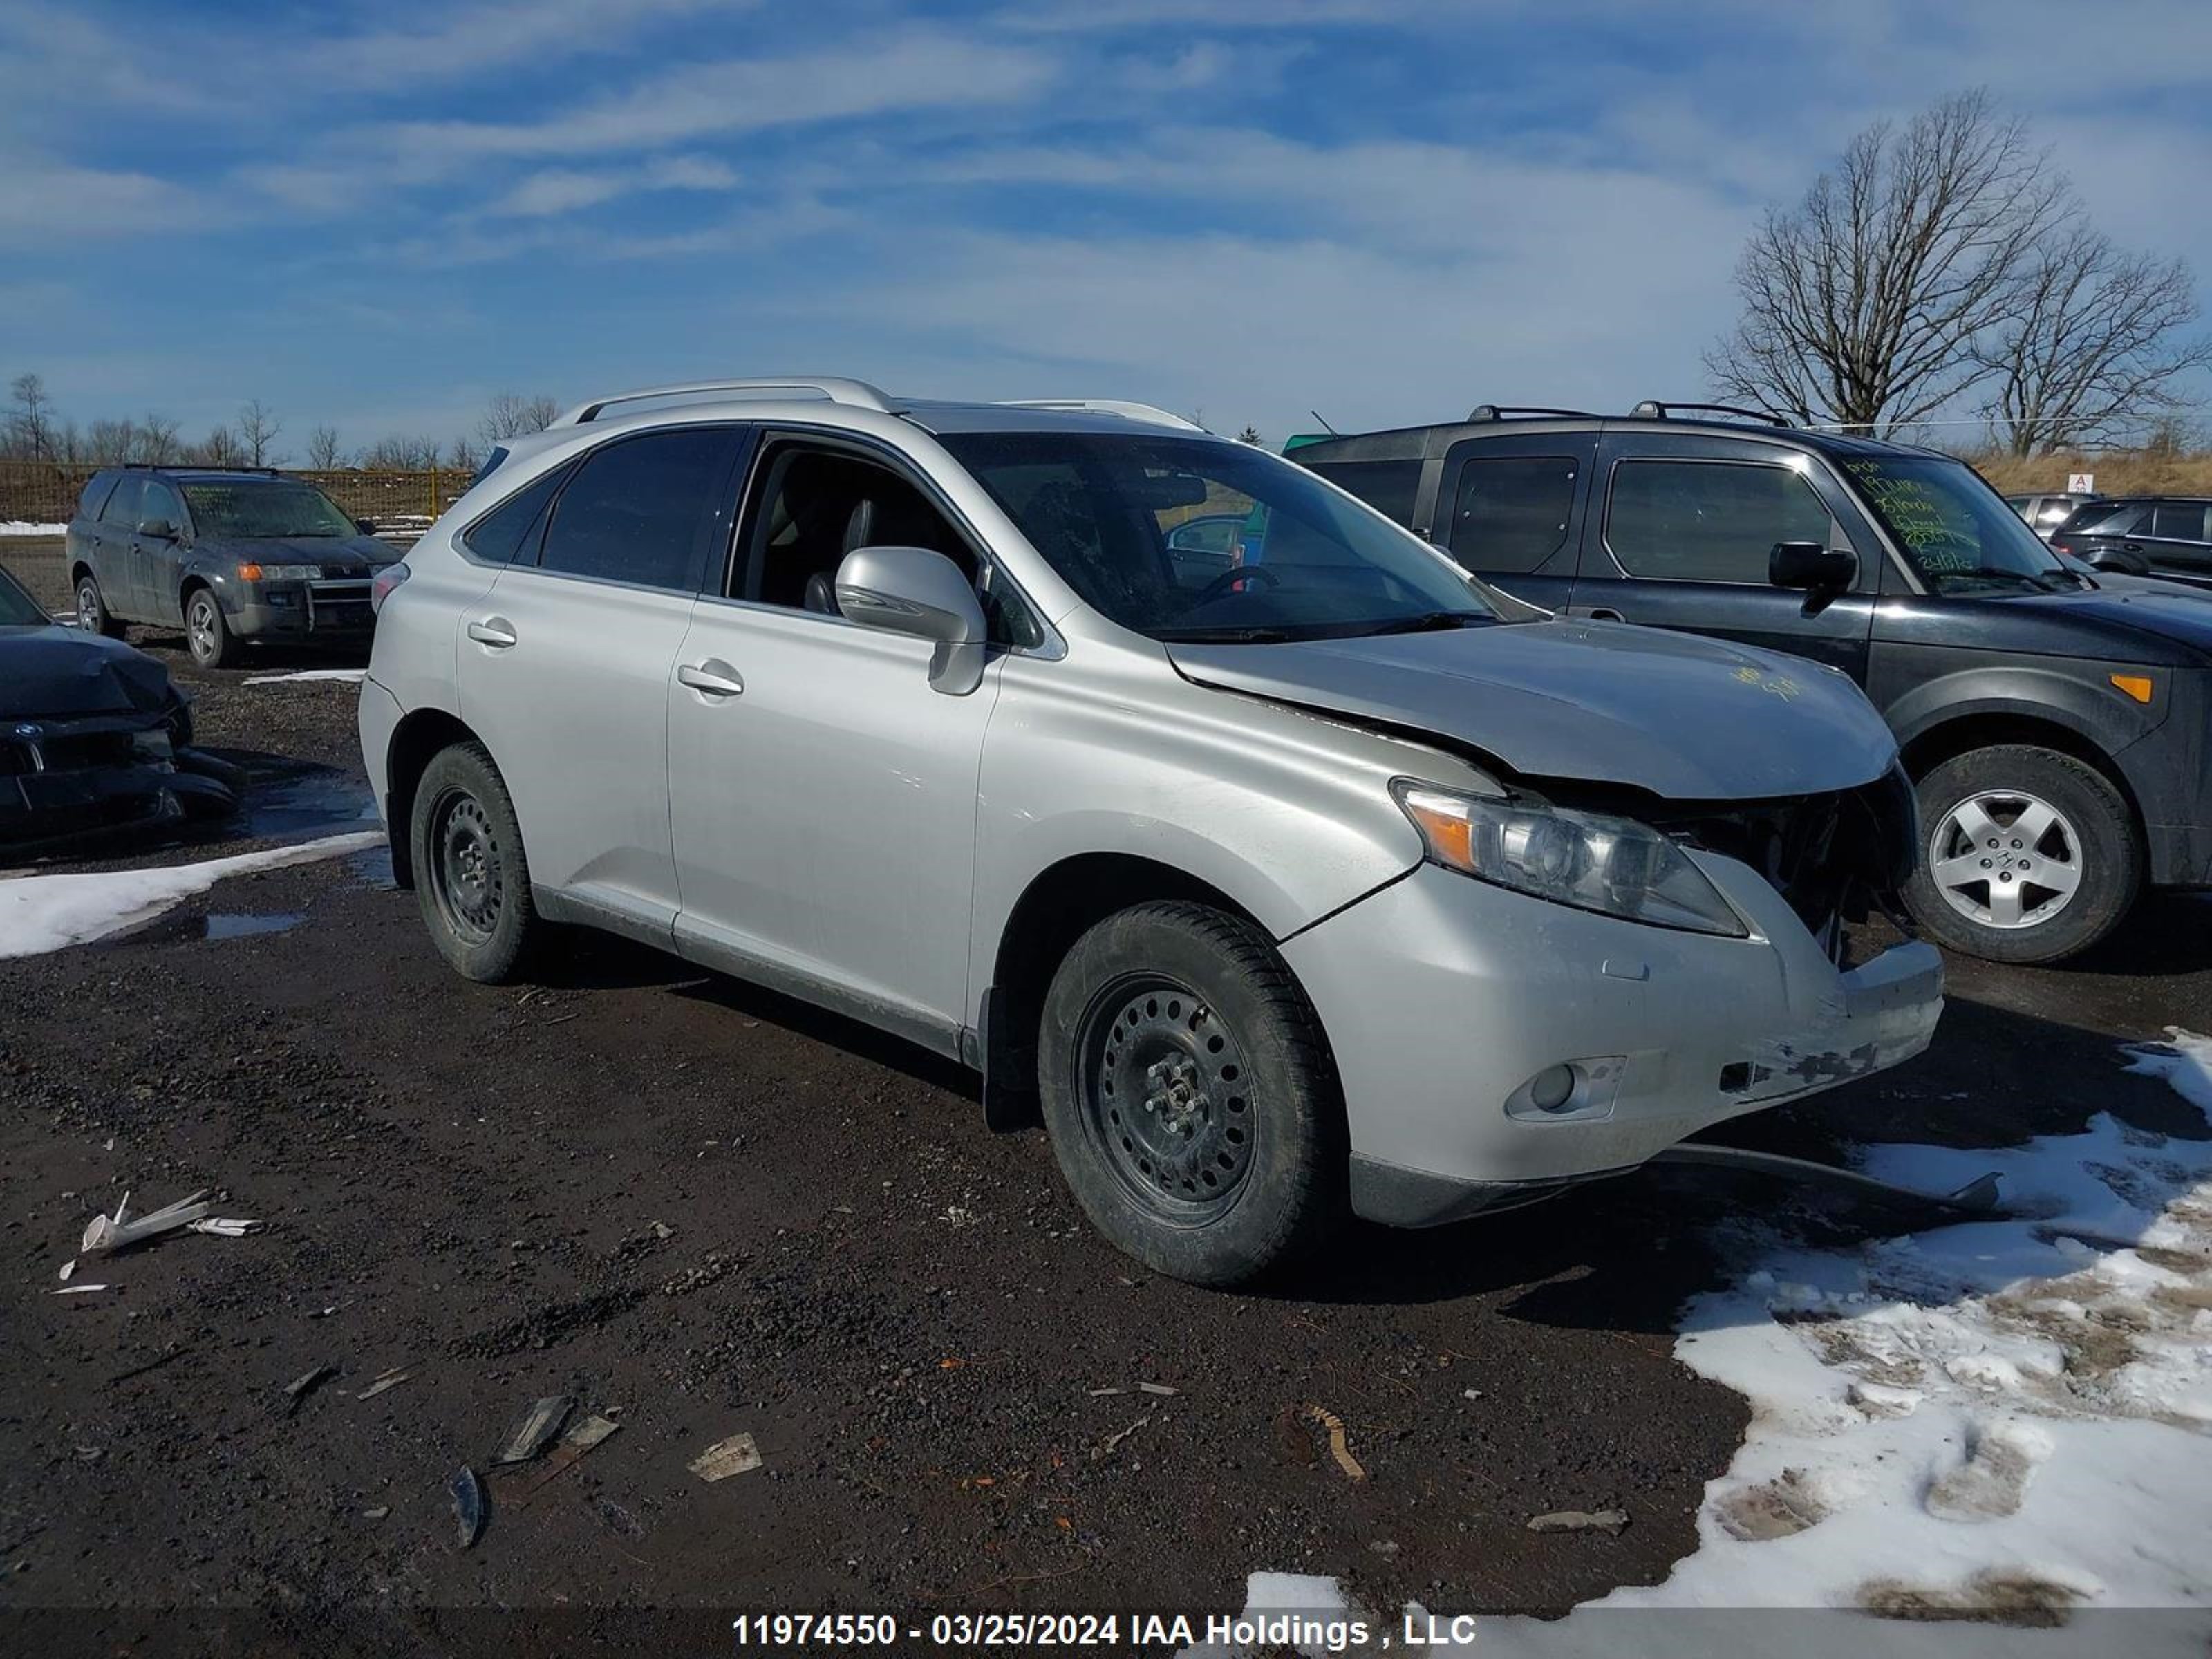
{"type": "Point", "coordinates": [2057, 720]}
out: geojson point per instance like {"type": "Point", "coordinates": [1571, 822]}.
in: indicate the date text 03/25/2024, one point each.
{"type": "Point", "coordinates": [1309, 1631]}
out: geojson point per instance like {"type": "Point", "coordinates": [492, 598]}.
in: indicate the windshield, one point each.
{"type": "Point", "coordinates": [1956, 530]}
{"type": "Point", "coordinates": [1270, 552]}
{"type": "Point", "coordinates": [274, 506]}
{"type": "Point", "coordinates": [17, 607]}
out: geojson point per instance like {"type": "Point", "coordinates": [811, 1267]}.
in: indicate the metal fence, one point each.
{"type": "Point", "coordinates": [37, 492]}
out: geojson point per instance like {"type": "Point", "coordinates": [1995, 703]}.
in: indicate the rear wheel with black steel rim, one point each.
{"type": "Point", "coordinates": [1188, 1094]}
{"type": "Point", "coordinates": [207, 631]}
{"type": "Point", "coordinates": [471, 877]}
{"type": "Point", "coordinates": [2031, 855]}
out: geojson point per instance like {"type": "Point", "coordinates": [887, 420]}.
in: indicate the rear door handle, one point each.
{"type": "Point", "coordinates": [494, 631]}
{"type": "Point", "coordinates": [713, 677]}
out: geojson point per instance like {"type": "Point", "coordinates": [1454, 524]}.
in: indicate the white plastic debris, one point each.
{"type": "Point", "coordinates": [727, 1457]}
{"type": "Point", "coordinates": [107, 1233]}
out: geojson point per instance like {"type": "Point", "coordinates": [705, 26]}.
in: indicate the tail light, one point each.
{"type": "Point", "coordinates": [381, 586]}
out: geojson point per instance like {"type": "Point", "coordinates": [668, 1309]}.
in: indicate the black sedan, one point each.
{"type": "Point", "coordinates": [94, 737]}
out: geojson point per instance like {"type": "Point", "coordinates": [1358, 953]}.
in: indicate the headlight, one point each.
{"type": "Point", "coordinates": [1612, 865]}
{"type": "Point", "coordinates": [280, 573]}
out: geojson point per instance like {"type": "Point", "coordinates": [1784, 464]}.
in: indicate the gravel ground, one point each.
{"type": "Point", "coordinates": [705, 1210]}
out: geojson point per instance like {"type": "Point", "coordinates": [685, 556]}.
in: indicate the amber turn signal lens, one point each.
{"type": "Point", "coordinates": [2136, 685]}
{"type": "Point", "coordinates": [249, 573]}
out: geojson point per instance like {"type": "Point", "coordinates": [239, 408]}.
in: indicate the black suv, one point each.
{"type": "Point", "coordinates": [228, 553]}
{"type": "Point", "coordinates": [2056, 720]}
{"type": "Point", "coordinates": [2148, 535]}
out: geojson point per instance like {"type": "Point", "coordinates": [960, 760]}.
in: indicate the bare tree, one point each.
{"type": "Point", "coordinates": [156, 443]}
{"type": "Point", "coordinates": [323, 451]}
{"type": "Point", "coordinates": [221, 447]}
{"type": "Point", "coordinates": [2090, 353]}
{"type": "Point", "coordinates": [1863, 303]}
{"type": "Point", "coordinates": [510, 416]}
{"type": "Point", "coordinates": [258, 426]}
{"type": "Point", "coordinates": [30, 422]}
{"type": "Point", "coordinates": [1251, 434]}
{"type": "Point", "coordinates": [401, 452]}
{"type": "Point", "coordinates": [464, 455]}
{"type": "Point", "coordinates": [111, 443]}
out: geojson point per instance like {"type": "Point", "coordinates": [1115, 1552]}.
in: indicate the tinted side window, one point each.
{"type": "Point", "coordinates": [2179, 521]}
{"type": "Point", "coordinates": [160, 501]}
{"type": "Point", "coordinates": [122, 507]}
{"type": "Point", "coordinates": [1708, 521]}
{"type": "Point", "coordinates": [96, 489]}
{"type": "Point", "coordinates": [1389, 487]}
{"type": "Point", "coordinates": [1512, 512]}
{"type": "Point", "coordinates": [501, 534]}
{"type": "Point", "coordinates": [635, 511]}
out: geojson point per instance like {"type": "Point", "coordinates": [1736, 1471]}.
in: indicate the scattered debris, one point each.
{"type": "Point", "coordinates": [1112, 1443]}
{"type": "Point", "coordinates": [386, 1379]}
{"type": "Point", "coordinates": [533, 1429]}
{"type": "Point", "coordinates": [299, 1386]}
{"type": "Point", "coordinates": [725, 1458]}
{"type": "Point", "coordinates": [468, 1505]}
{"type": "Point", "coordinates": [1605, 1521]}
{"type": "Point", "coordinates": [227, 1226]}
{"type": "Point", "coordinates": [705, 1273]}
{"type": "Point", "coordinates": [1158, 1389]}
{"type": "Point", "coordinates": [1340, 1447]}
{"type": "Point", "coordinates": [521, 1486]}
{"type": "Point", "coordinates": [376, 1514]}
{"type": "Point", "coordinates": [77, 1290]}
{"type": "Point", "coordinates": [68, 1267]}
{"type": "Point", "coordinates": [153, 1365]}
{"type": "Point", "coordinates": [107, 1233]}
{"type": "Point", "coordinates": [1101, 1393]}
{"type": "Point", "coordinates": [1470, 1394]}
{"type": "Point", "coordinates": [661, 1230]}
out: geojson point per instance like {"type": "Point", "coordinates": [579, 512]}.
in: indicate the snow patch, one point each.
{"type": "Point", "coordinates": [346, 675]}
{"type": "Point", "coordinates": [24, 527]}
{"type": "Point", "coordinates": [46, 913]}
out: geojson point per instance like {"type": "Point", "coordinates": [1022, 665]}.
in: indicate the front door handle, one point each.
{"type": "Point", "coordinates": [713, 677]}
{"type": "Point", "coordinates": [494, 631]}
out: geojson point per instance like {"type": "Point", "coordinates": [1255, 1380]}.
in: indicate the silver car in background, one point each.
{"type": "Point", "coordinates": [1284, 868]}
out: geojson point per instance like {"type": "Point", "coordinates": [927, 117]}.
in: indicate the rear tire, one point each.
{"type": "Point", "coordinates": [2028, 855]}
{"type": "Point", "coordinates": [1189, 1096]}
{"type": "Point", "coordinates": [207, 631]}
{"type": "Point", "coordinates": [93, 615]}
{"type": "Point", "coordinates": [472, 876]}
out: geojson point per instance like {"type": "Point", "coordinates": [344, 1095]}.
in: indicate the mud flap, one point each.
{"type": "Point", "coordinates": [1010, 1097]}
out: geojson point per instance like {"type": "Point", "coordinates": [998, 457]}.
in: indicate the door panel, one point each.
{"type": "Point", "coordinates": [1511, 509]}
{"type": "Point", "coordinates": [564, 665]}
{"type": "Point", "coordinates": [1679, 532]}
{"type": "Point", "coordinates": [824, 816]}
{"type": "Point", "coordinates": [111, 551]}
{"type": "Point", "coordinates": [157, 566]}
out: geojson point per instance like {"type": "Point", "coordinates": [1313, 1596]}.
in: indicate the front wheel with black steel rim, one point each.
{"type": "Point", "coordinates": [2031, 855]}
{"type": "Point", "coordinates": [472, 878]}
{"type": "Point", "coordinates": [93, 615]}
{"type": "Point", "coordinates": [207, 630]}
{"type": "Point", "coordinates": [1188, 1094]}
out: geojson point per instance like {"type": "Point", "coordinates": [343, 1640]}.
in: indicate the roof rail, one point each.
{"type": "Point", "coordinates": [1510, 411]}
{"type": "Point", "coordinates": [198, 466]}
{"type": "Point", "coordinates": [838, 390]}
{"type": "Point", "coordinates": [1106, 406]}
{"type": "Point", "coordinates": [1652, 409]}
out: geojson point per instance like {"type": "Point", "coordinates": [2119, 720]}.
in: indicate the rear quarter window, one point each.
{"type": "Point", "coordinates": [97, 490]}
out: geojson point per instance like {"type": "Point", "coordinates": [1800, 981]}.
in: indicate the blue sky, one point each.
{"type": "Point", "coordinates": [380, 214]}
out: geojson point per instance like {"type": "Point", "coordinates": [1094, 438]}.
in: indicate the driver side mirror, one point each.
{"type": "Point", "coordinates": [367, 526]}
{"type": "Point", "coordinates": [913, 590]}
{"type": "Point", "coordinates": [159, 530]}
{"type": "Point", "coordinates": [1812, 567]}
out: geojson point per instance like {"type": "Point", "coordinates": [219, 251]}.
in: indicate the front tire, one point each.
{"type": "Point", "coordinates": [1189, 1096]}
{"type": "Point", "coordinates": [2030, 855]}
{"type": "Point", "coordinates": [93, 615]}
{"type": "Point", "coordinates": [207, 631]}
{"type": "Point", "coordinates": [472, 876]}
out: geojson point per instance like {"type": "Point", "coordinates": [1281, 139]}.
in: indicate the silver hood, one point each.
{"type": "Point", "coordinates": [1685, 717]}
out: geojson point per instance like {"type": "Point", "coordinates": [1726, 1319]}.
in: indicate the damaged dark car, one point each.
{"type": "Point", "coordinates": [94, 737]}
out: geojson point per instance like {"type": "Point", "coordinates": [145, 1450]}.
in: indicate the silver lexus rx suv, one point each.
{"type": "Point", "coordinates": [1285, 869]}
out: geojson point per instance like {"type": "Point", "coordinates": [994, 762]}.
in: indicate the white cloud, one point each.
{"type": "Point", "coordinates": [42, 198]}
{"type": "Point", "coordinates": [558, 191]}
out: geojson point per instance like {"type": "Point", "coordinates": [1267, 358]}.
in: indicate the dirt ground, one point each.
{"type": "Point", "coordinates": [702, 1210]}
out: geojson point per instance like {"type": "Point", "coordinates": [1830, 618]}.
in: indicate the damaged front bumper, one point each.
{"type": "Point", "coordinates": [1456, 1009]}
{"type": "Point", "coordinates": [65, 779]}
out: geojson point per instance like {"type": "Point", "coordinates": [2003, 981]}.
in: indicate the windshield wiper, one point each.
{"type": "Point", "coordinates": [1990, 573]}
{"type": "Point", "coordinates": [1429, 621]}
{"type": "Point", "coordinates": [1221, 637]}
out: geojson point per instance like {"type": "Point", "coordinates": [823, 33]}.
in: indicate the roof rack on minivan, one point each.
{"type": "Point", "coordinates": [836, 388]}
{"type": "Point", "coordinates": [1652, 409]}
{"type": "Point", "coordinates": [1513, 411]}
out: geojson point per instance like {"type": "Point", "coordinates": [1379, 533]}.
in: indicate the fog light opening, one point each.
{"type": "Point", "coordinates": [1552, 1088]}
